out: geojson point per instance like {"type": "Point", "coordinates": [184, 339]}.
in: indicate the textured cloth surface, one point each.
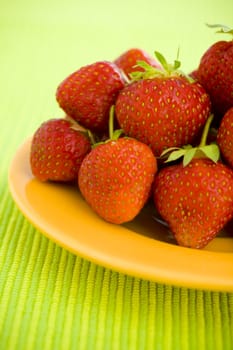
{"type": "Point", "coordinates": [49, 298]}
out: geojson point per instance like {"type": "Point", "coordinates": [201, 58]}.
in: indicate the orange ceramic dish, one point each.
{"type": "Point", "coordinates": [142, 248]}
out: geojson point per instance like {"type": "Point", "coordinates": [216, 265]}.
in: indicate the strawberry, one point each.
{"type": "Point", "coordinates": [215, 73]}
{"type": "Point", "coordinates": [196, 200]}
{"type": "Point", "coordinates": [128, 60]}
{"type": "Point", "coordinates": [195, 197]}
{"type": "Point", "coordinates": [162, 108]}
{"type": "Point", "coordinates": [194, 74]}
{"type": "Point", "coordinates": [115, 178]}
{"type": "Point", "coordinates": [87, 94]}
{"type": "Point", "coordinates": [225, 137]}
{"type": "Point", "coordinates": [57, 151]}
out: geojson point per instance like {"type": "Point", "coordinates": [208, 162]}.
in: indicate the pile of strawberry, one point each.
{"type": "Point", "coordinates": [126, 125]}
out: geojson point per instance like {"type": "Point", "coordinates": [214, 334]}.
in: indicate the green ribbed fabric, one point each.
{"type": "Point", "coordinates": [51, 299]}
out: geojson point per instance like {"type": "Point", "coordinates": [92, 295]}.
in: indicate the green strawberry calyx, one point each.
{"type": "Point", "coordinates": [165, 70]}
{"type": "Point", "coordinates": [77, 127]}
{"type": "Point", "coordinates": [188, 152]}
{"type": "Point", "coordinates": [221, 28]}
{"type": "Point", "coordinates": [113, 134]}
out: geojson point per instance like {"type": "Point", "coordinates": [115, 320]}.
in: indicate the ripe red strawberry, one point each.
{"type": "Point", "coordinates": [115, 178]}
{"type": "Point", "coordinates": [196, 200]}
{"type": "Point", "coordinates": [215, 73]}
{"type": "Point", "coordinates": [87, 94]}
{"type": "Point", "coordinates": [129, 59]}
{"type": "Point", "coordinates": [195, 197]}
{"type": "Point", "coordinates": [57, 151]}
{"type": "Point", "coordinates": [225, 137]}
{"type": "Point", "coordinates": [162, 109]}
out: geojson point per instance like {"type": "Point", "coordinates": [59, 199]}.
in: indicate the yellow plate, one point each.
{"type": "Point", "coordinates": [142, 248]}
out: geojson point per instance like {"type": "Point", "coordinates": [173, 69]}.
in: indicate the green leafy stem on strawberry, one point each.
{"type": "Point", "coordinates": [166, 70]}
{"type": "Point", "coordinates": [222, 28]}
{"type": "Point", "coordinates": [113, 134]}
{"type": "Point", "coordinates": [188, 152]}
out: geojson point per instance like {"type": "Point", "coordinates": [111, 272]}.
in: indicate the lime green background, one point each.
{"type": "Point", "coordinates": [49, 298]}
{"type": "Point", "coordinates": [41, 42]}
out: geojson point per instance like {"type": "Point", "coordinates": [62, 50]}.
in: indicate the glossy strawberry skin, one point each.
{"type": "Point", "coordinates": [87, 94]}
{"type": "Point", "coordinates": [115, 179]}
{"type": "Point", "coordinates": [215, 73]}
{"type": "Point", "coordinates": [225, 137]}
{"type": "Point", "coordinates": [128, 60]}
{"type": "Point", "coordinates": [196, 201]}
{"type": "Point", "coordinates": [57, 151]}
{"type": "Point", "coordinates": [163, 112]}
